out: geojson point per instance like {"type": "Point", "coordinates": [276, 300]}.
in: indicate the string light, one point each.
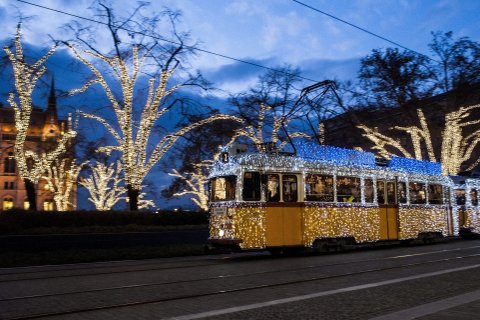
{"type": "Point", "coordinates": [247, 220]}
{"type": "Point", "coordinates": [137, 160]}
{"type": "Point", "coordinates": [61, 179]}
{"type": "Point", "coordinates": [457, 147]}
{"type": "Point", "coordinates": [257, 133]}
{"type": "Point", "coordinates": [32, 165]}
{"type": "Point", "coordinates": [104, 185]}
{"type": "Point", "coordinates": [196, 183]}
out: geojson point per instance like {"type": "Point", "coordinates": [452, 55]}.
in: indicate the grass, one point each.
{"type": "Point", "coordinates": [21, 259]}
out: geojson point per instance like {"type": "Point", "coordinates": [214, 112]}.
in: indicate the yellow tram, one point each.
{"type": "Point", "coordinates": [325, 196]}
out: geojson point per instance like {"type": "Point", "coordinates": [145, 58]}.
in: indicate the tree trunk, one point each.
{"type": "Point", "coordinates": [133, 197]}
{"type": "Point", "coordinates": [31, 194]}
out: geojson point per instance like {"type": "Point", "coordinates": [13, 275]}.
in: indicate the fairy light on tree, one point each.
{"type": "Point", "coordinates": [260, 134]}
{"type": "Point", "coordinates": [31, 164]}
{"type": "Point", "coordinates": [196, 183]}
{"type": "Point", "coordinates": [135, 131]}
{"type": "Point", "coordinates": [61, 180]}
{"type": "Point", "coordinates": [104, 185]}
{"type": "Point", "coordinates": [457, 145]}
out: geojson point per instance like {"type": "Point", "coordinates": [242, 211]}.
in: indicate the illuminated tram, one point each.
{"type": "Point", "coordinates": [327, 196]}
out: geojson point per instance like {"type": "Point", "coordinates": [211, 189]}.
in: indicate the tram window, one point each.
{"type": "Point", "coordinates": [348, 189]}
{"type": "Point", "coordinates": [273, 188]}
{"type": "Point", "coordinates": [381, 192]}
{"type": "Point", "coordinates": [251, 186]}
{"type": "Point", "coordinates": [474, 197]}
{"type": "Point", "coordinates": [290, 193]}
{"type": "Point", "coordinates": [417, 193]}
{"type": "Point", "coordinates": [391, 192]}
{"type": "Point", "coordinates": [460, 196]}
{"type": "Point", "coordinates": [223, 188]}
{"type": "Point", "coordinates": [368, 190]}
{"type": "Point", "coordinates": [435, 194]}
{"type": "Point", "coordinates": [319, 187]}
{"type": "Point", "coordinates": [402, 192]}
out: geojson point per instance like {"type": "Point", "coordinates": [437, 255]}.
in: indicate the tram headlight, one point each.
{"type": "Point", "coordinates": [221, 233]}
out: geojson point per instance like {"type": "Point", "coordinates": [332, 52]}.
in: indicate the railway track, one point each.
{"type": "Point", "coordinates": [28, 299]}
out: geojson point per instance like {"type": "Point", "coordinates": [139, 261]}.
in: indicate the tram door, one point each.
{"type": "Point", "coordinates": [283, 225]}
{"type": "Point", "coordinates": [387, 201]}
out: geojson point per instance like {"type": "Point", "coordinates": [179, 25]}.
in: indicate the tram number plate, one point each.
{"type": "Point", "coordinates": [221, 210]}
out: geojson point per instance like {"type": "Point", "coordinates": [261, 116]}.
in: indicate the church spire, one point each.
{"type": "Point", "coordinates": [51, 112]}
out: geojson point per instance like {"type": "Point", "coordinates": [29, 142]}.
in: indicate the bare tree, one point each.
{"type": "Point", "coordinates": [460, 137]}
{"type": "Point", "coordinates": [61, 180]}
{"type": "Point", "coordinates": [32, 164]}
{"type": "Point", "coordinates": [138, 50]}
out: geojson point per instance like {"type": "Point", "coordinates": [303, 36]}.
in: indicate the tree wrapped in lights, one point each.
{"type": "Point", "coordinates": [457, 145]}
{"type": "Point", "coordinates": [263, 136]}
{"type": "Point", "coordinates": [135, 132]}
{"type": "Point", "coordinates": [195, 183]}
{"type": "Point", "coordinates": [31, 164]}
{"type": "Point", "coordinates": [268, 108]}
{"type": "Point", "coordinates": [61, 180]}
{"type": "Point", "coordinates": [104, 185]}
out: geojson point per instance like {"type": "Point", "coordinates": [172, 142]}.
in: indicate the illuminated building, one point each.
{"type": "Point", "coordinates": [42, 136]}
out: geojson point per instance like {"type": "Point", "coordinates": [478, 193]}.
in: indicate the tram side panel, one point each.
{"type": "Point", "coordinates": [420, 219]}
{"type": "Point", "coordinates": [337, 221]}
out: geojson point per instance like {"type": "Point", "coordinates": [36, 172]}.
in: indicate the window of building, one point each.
{"type": "Point", "coordinates": [402, 192]}
{"type": "Point", "coordinates": [7, 203]}
{"type": "Point", "coordinates": [435, 194]}
{"type": "Point", "coordinates": [319, 187]}
{"type": "Point", "coordinates": [290, 189]}
{"type": "Point", "coordinates": [48, 205]}
{"type": "Point", "coordinates": [9, 185]}
{"type": "Point", "coordinates": [223, 188]}
{"type": "Point", "coordinates": [273, 188]}
{"type": "Point", "coordinates": [348, 189]}
{"type": "Point", "coordinates": [368, 183]}
{"type": "Point", "coordinates": [474, 197]}
{"type": "Point", "coordinates": [417, 193]}
{"type": "Point", "coordinates": [26, 204]}
{"type": "Point", "coordinates": [251, 186]}
{"type": "Point", "coordinates": [9, 163]}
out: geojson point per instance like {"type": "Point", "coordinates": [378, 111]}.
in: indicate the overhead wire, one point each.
{"type": "Point", "coordinates": [169, 41]}
{"type": "Point", "coordinates": [363, 29]}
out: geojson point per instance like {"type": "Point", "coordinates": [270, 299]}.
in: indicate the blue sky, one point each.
{"type": "Point", "coordinates": [267, 32]}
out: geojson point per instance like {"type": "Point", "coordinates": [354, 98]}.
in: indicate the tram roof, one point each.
{"type": "Point", "coordinates": [311, 156]}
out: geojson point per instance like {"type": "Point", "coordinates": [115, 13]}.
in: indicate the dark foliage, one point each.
{"type": "Point", "coordinates": [17, 220]}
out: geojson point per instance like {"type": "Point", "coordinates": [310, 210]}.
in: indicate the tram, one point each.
{"type": "Point", "coordinates": [326, 196]}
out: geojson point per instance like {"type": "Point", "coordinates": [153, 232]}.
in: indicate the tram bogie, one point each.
{"type": "Point", "coordinates": [331, 198]}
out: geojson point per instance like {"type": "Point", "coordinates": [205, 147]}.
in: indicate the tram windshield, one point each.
{"type": "Point", "coordinates": [223, 188]}
{"type": "Point", "coordinates": [251, 186]}
{"type": "Point", "coordinates": [402, 192]}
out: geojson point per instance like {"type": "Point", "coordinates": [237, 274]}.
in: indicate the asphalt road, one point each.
{"type": "Point", "coordinates": [439, 281]}
{"type": "Point", "coordinates": [102, 240]}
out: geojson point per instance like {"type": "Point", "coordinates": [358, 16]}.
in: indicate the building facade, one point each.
{"type": "Point", "coordinates": [43, 134]}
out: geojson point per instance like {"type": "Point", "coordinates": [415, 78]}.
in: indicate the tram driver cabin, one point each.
{"type": "Point", "coordinates": [325, 195]}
